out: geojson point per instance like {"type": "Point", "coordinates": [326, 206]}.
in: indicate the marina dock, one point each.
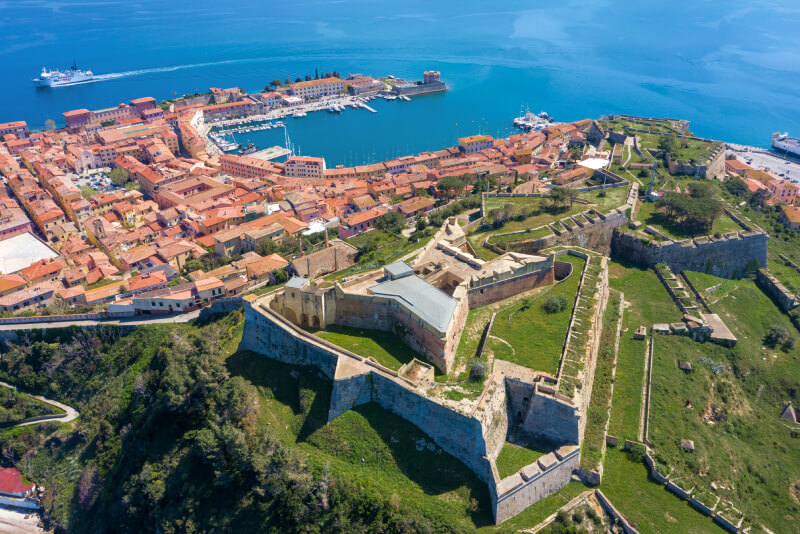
{"type": "Point", "coordinates": [270, 153]}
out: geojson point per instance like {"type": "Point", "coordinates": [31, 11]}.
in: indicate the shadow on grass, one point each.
{"type": "Point", "coordinates": [390, 443]}
{"type": "Point", "coordinates": [387, 441]}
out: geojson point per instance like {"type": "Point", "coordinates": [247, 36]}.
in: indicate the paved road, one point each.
{"type": "Point", "coordinates": [70, 415]}
{"type": "Point", "coordinates": [133, 321]}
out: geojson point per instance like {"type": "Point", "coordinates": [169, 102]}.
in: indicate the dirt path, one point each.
{"type": "Point", "coordinates": [70, 415]}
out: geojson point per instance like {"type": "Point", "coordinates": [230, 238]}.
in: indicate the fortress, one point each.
{"type": "Point", "coordinates": [426, 302]}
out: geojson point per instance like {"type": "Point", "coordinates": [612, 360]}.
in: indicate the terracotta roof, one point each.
{"type": "Point", "coordinates": [11, 481]}
{"type": "Point", "coordinates": [11, 281]}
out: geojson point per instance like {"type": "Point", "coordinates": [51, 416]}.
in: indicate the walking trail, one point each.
{"type": "Point", "coordinates": [70, 415]}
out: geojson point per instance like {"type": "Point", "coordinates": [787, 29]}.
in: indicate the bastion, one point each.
{"type": "Point", "coordinates": [425, 302]}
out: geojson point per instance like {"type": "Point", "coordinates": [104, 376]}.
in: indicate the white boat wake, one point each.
{"type": "Point", "coordinates": [155, 70]}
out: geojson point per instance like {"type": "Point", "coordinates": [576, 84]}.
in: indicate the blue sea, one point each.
{"type": "Point", "coordinates": [732, 68]}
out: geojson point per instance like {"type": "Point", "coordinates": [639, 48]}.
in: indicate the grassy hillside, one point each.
{"type": "Point", "coordinates": [180, 433]}
{"type": "Point", "coordinates": [730, 405]}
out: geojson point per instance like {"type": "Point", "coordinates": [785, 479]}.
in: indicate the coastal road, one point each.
{"type": "Point", "coordinates": [70, 415]}
{"type": "Point", "coordinates": [133, 321]}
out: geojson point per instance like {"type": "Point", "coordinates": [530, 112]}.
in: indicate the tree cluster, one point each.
{"type": "Point", "coordinates": [169, 440]}
{"type": "Point", "coordinates": [391, 222]}
{"type": "Point", "coordinates": [693, 213]}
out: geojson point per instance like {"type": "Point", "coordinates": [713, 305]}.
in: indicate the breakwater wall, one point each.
{"type": "Point", "coordinates": [725, 256]}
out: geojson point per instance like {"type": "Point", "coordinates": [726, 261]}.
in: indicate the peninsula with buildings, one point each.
{"type": "Point", "coordinates": [589, 325]}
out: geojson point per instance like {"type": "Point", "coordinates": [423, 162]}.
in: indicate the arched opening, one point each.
{"type": "Point", "coordinates": [315, 322]}
{"type": "Point", "coordinates": [290, 315]}
{"type": "Point", "coordinates": [304, 320]}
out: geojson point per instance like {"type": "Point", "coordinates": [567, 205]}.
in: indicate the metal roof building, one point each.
{"type": "Point", "coordinates": [422, 299]}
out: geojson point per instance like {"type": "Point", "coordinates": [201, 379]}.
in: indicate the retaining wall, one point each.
{"type": "Point", "coordinates": [784, 298]}
{"type": "Point", "coordinates": [550, 419]}
{"type": "Point", "coordinates": [503, 289]}
{"type": "Point", "coordinates": [726, 256]}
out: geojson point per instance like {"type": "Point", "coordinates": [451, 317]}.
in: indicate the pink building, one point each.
{"type": "Point", "coordinates": [304, 167]}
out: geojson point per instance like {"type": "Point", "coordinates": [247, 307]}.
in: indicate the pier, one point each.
{"type": "Point", "coordinates": [270, 153]}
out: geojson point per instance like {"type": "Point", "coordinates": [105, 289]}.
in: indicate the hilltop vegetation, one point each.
{"type": "Point", "coordinates": [171, 439]}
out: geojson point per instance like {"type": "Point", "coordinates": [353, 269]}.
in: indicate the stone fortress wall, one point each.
{"type": "Point", "coordinates": [475, 438]}
{"type": "Point", "coordinates": [725, 256]}
{"type": "Point", "coordinates": [590, 229]}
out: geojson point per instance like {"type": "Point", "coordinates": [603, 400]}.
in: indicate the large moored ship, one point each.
{"type": "Point", "coordinates": [57, 78]}
{"type": "Point", "coordinates": [790, 145]}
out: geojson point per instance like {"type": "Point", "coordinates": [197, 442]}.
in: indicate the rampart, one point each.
{"type": "Point", "coordinates": [475, 438]}
{"type": "Point", "coordinates": [725, 256]}
{"type": "Point", "coordinates": [590, 230]}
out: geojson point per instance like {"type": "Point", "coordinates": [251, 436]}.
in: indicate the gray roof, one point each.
{"type": "Point", "coordinates": [399, 269]}
{"type": "Point", "coordinates": [426, 301]}
{"type": "Point", "coordinates": [296, 282]}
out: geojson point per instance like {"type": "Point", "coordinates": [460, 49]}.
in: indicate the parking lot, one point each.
{"type": "Point", "coordinates": [97, 179]}
{"type": "Point", "coordinates": [759, 158]}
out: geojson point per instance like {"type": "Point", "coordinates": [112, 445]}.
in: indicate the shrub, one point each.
{"type": "Point", "coordinates": [638, 452]}
{"type": "Point", "coordinates": [577, 517]}
{"type": "Point", "coordinates": [562, 517]}
{"type": "Point", "coordinates": [478, 370]}
{"type": "Point", "coordinates": [555, 303]}
{"type": "Point", "coordinates": [776, 335]}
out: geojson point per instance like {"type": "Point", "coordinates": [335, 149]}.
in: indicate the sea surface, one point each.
{"type": "Point", "coordinates": [732, 68]}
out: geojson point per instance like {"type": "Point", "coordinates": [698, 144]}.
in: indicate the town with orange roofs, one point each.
{"type": "Point", "coordinates": [133, 210]}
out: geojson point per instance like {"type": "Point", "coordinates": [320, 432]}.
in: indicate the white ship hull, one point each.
{"type": "Point", "coordinates": [56, 78]}
{"type": "Point", "coordinates": [789, 145]}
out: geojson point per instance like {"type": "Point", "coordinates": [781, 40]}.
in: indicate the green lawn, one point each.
{"type": "Point", "coordinates": [376, 449]}
{"type": "Point", "coordinates": [747, 449]}
{"type": "Point", "coordinates": [648, 303]}
{"type": "Point", "coordinates": [538, 337]}
{"type": "Point", "coordinates": [368, 445]}
{"type": "Point", "coordinates": [388, 248]}
{"type": "Point", "coordinates": [543, 213]}
{"type": "Point", "coordinates": [504, 240]}
{"type": "Point", "coordinates": [385, 347]}
{"type": "Point", "coordinates": [649, 505]}
{"type": "Point", "coordinates": [512, 458]}
{"type": "Point", "coordinates": [598, 413]}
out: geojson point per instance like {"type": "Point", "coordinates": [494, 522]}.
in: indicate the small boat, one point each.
{"type": "Point", "coordinates": [248, 149]}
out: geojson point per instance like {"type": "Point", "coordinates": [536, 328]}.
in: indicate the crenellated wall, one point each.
{"type": "Point", "coordinates": [535, 482]}
{"type": "Point", "coordinates": [725, 256]}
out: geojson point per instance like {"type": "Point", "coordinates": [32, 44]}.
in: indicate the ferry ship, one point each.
{"type": "Point", "coordinates": [57, 78]}
{"type": "Point", "coordinates": [790, 145]}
